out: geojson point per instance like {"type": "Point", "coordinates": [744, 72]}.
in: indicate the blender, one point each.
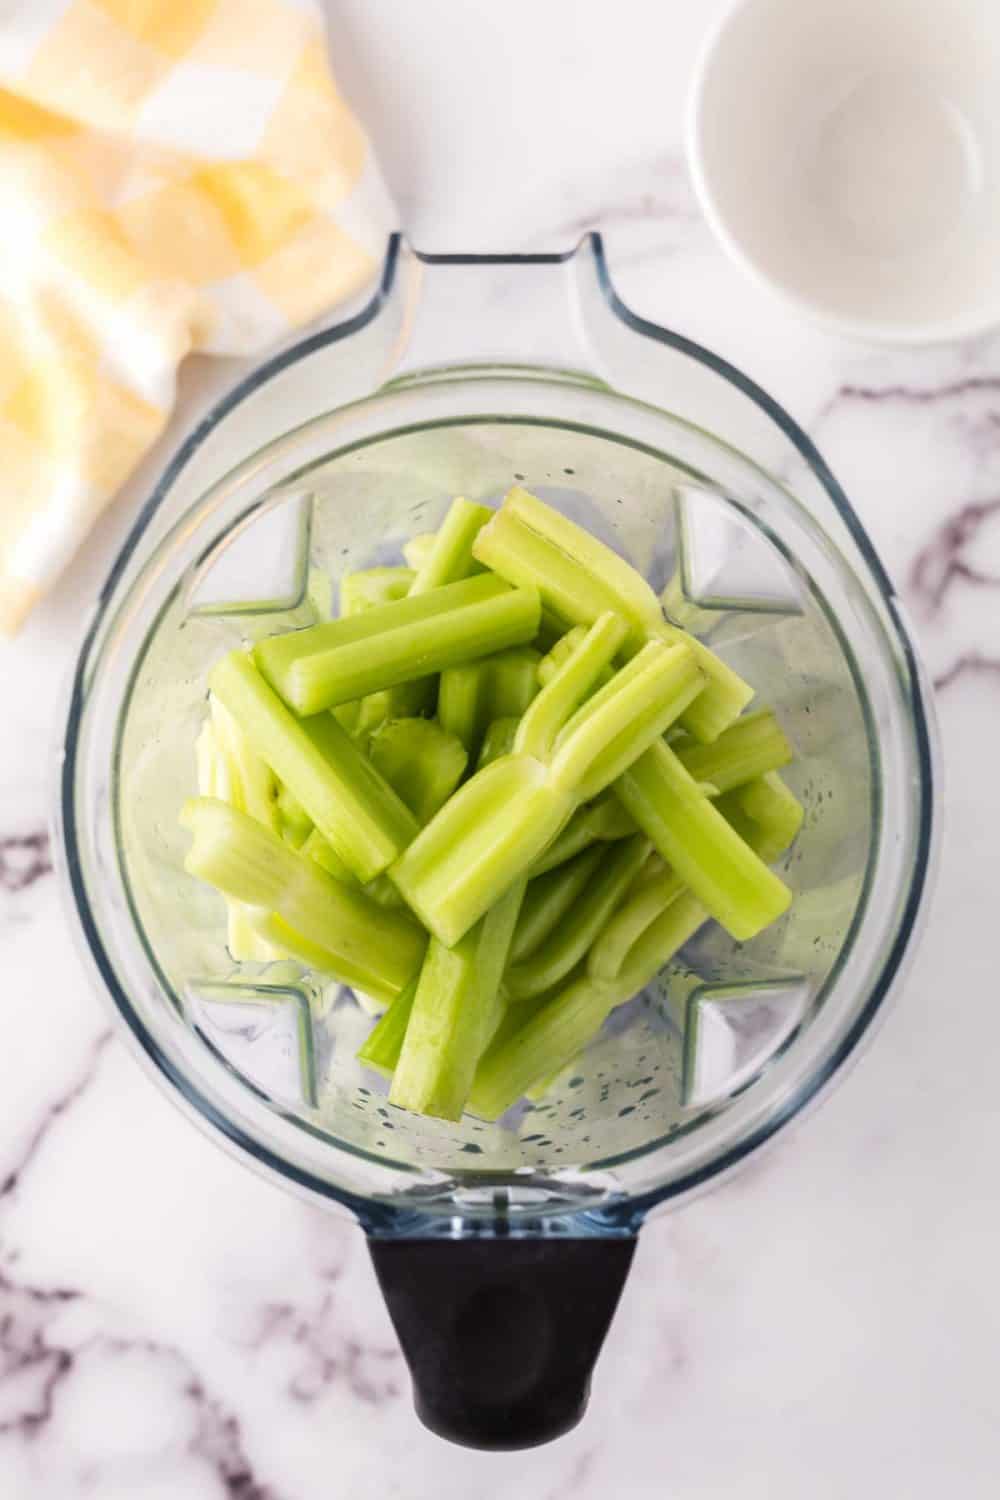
{"type": "Point", "coordinates": [502, 1248]}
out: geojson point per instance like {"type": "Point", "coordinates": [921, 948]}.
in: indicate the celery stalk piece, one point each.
{"type": "Point", "coordinates": [624, 717]}
{"type": "Point", "coordinates": [471, 696]}
{"type": "Point", "coordinates": [547, 901]}
{"type": "Point", "coordinates": [370, 587]}
{"type": "Point", "coordinates": [498, 740]}
{"type": "Point", "coordinates": [653, 891]}
{"type": "Point", "coordinates": [602, 821]}
{"type": "Point", "coordinates": [441, 1047]}
{"type": "Point", "coordinates": [497, 824]}
{"type": "Point", "coordinates": [578, 578]}
{"type": "Point", "coordinates": [295, 824]}
{"type": "Point", "coordinates": [318, 848]}
{"type": "Point", "coordinates": [560, 652]}
{"type": "Point", "coordinates": [496, 935]}
{"type": "Point", "coordinates": [377, 950]}
{"type": "Point", "coordinates": [353, 807]}
{"type": "Point", "coordinates": [417, 549]}
{"type": "Point", "coordinates": [569, 943]}
{"type": "Point", "coordinates": [750, 747]}
{"type": "Point", "coordinates": [656, 946]}
{"type": "Point", "coordinates": [549, 631]}
{"type": "Point", "coordinates": [449, 557]}
{"type": "Point", "coordinates": [482, 840]}
{"type": "Point", "coordinates": [765, 813]}
{"type": "Point", "coordinates": [329, 664]}
{"type": "Point", "coordinates": [385, 1041]}
{"type": "Point", "coordinates": [568, 686]}
{"type": "Point", "coordinates": [694, 838]}
{"type": "Point", "coordinates": [421, 761]}
{"type": "Point", "coordinates": [254, 789]}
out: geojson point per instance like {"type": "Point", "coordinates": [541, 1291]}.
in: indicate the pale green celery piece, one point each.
{"type": "Point", "coordinates": [480, 842]}
{"type": "Point", "coordinates": [694, 838]}
{"type": "Point", "coordinates": [407, 700]}
{"type": "Point", "coordinates": [417, 549]}
{"type": "Point", "coordinates": [640, 701]}
{"type": "Point", "coordinates": [295, 824]}
{"type": "Point", "coordinates": [421, 761]}
{"type": "Point", "coordinates": [496, 934]}
{"type": "Point", "coordinates": [319, 592]}
{"type": "Point", "coordinates": [318, 848]}
{"type": "Point", "coordinates": [385, 1041]}
{"type": "Point", "coordinates": [353, 807]}
{"type": "Point", "coordinates": [348, 715]}
{"type": "Point", "coordinates": [578, 578]}
{"type": "Point", "coordinates": [765, 813]}
{"type": "Point", "coordinates": [317, 668]}
{"type": "Point", "coordinates": [602, 821]}
{"type": "Point", "coordinates": [568, 686]}
{"type": "Point", "coordinates": [550, 628]}
{"type": "Point", "coordinates": [285, 942]}
{"type": "Point", "coordinates": [471, 696]}
{"type": "Point", "coordinates": [750, 747]}
{"type": "Point", "coordinates": [548, 899]}
{"type": "Point", "coordinates": [653, 891]}
{"type": "Point", "coordinates": [253, 786]}
{"type": "Point", "coordinates": [442, 1042]}
{"type": "Point", "coordinates": [656, 946]}
{"type": "Point", "coordinates": [370, 587]}
{"type": "Point", "coordinates": [560, 652]}
{"type": "Point", "coordinates": [450, 557]}
{"type": "Point", "coordinates": [568, 944]}
{"type": "Point", "coordinates": [376, 950]}
{"type": "Point", "coordinates": [498, 740]}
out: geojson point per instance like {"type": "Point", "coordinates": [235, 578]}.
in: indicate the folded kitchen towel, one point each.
{"type": "Point", "coordinates": [175, 175]}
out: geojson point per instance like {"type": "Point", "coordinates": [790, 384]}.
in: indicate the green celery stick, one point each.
{"type": "Point", "coordinates": [449, 557]}
{"type": "Point", "coordinates": [549, 631]}
{"type": "Point", "coordinates": [643, 698]}
{"type": "Point", "coordinates": [496, 934]}
{"type": "Point", "coordinates": [656, 887]}
{"type": "Point", "coordinates": [421, 761]}
{"type": "Point", "coordinates": [497, 824]}
{"type": "Point", "coordinates": [498, 740]}
{"type": "Point", "coordinates": [370, 587]}
{"type": "Point", "coordinates": [295, 824]}
{"type": "Point", "coordinates": [568, 687]}
{"type": "Point", "coordinates": [750, 747]}
{"type": "Point", "coordinates": [560, 652]}
{"type": "Point", "coordinates": [568, 944]}
{"type": "Point", "coordinates": [377, 950]}
{"type": "Point", "coordinates": [254, 788]}
{"type": "Point", "coordinates": [353, 807]}
{"type": "Point", "coordinates": [417, 549]}
{"type": "Point", "coordinates": [471, 696]}
{"type": "Point", "coordinates": [656, 945]}
{"type": "Point", "coordinates": [765, 813]}
{"type": "Point", "coordinates": [548, 899]}
{"type": "Point", "coordinates": [482, 840]}
{"type": "Point", "coordinates": [441, 1047]}
{"type": "Point", "coordinates": [578, 578]}
{"type": "Point", "coordinates": [318, 848]}
{"type": "Point", "coordinates": [694, 838]}
{"type": "Point", "coordinates": [602, 821]}
{"type": "Point", "coordinates": [328, 664]}
{"type": "Point", "coordinates": [385, 1041]}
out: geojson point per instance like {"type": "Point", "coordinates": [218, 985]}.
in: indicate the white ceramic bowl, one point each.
{"type": "Point", "coordinates": [847, 154]}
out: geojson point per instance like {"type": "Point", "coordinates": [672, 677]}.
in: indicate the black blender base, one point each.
{"type": "Point", "coordinates": [501, 1335]}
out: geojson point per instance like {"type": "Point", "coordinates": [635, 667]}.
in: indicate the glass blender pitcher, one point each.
{"type": "Point", "coordinates": [502, 1248]}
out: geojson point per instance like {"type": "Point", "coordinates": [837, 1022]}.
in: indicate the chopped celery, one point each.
{"type": "Point", "coordinates": [349, 802]}
{"type": "Point", "coordinates": [471, 696]}
{"type": "Point", "coordinates": [380, 890]}
{"type": "Point", "coordinates": [253, 787]}
{"type": "Point", "coordinates": [370, 587]}
{"type": "Point", "coordinates": [443, 1036]}
{"type": "Point", "coordinates": [560, 652]}
{"type": "Point", "coordinates": [653, 891]}
{"type": "Point", "coordinates": [751, 746]}
{"type": "Point", "coordinates": [449, 557]}
{"type": "Point", "coordinates": [568, 944]}
{"type": "Point", "coordinates": [498, 740]}
{"type": "Point", "coordinates": [377, 950]}
{"type": "Point", "coordinates": [385, 1041]}
{"type": "Point", "coordinates": [496, 934]}
{"type": "Point", "coordinates": [417, 549]}
{"type": "Point", "coordinates": [498, 823]}
{"type": "Point", "coordinates": [329, 664]}
{"type": "Point", "coordinates": [548, 899]}
{"type": "Point", "coordinates": [694, 838]}
{"type": "Point", "coordinates": [568, 686]}
{"type": "Point", "coordinates": [549, 630]}
{"type": "Point", "coordinates": [765, 813]}
{"type": "Point", "coordinates": [295, 823]}
{"type": "Point", "coordinates": [602, 821]}
{"type": "Point", "coordinates": [421, 761]}
{"type": "Point", "coordinates": [579, 578]}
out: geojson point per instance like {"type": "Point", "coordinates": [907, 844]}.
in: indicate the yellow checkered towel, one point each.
{"type": "Point", "coordinates": [174, 175]}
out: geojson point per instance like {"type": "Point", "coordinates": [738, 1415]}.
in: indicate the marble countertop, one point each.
{"type": "Point", "coordinates": [826, 1324]}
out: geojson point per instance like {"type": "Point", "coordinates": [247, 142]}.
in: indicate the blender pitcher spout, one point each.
{"type": "Point", "coordinates": [501, 1332]}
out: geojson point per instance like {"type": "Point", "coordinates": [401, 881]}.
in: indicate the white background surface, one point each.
{"type": "Point", "coordinates": [826, 1324]}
